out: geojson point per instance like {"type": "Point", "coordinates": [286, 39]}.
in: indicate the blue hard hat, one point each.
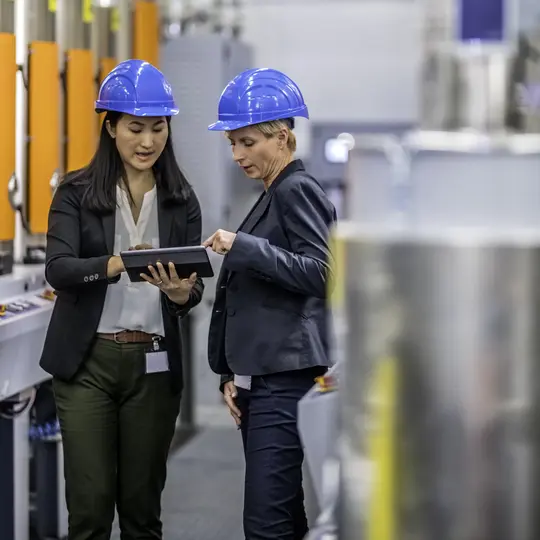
{"type": "Point", "coordinates": [138, 88]}
{"type": "Point", "coordinates": [258, 95]}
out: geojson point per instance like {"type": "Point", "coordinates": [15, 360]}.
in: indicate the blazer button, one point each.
{"type": "Point", "coordinates": [96, 276]}
{"type": "Point", "coordinates": [86, 279]}
{"type": "Point", "coordinates": [231, 312]}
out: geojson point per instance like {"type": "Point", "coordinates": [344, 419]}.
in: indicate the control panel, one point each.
{"type": "Point", "coordinates": [25, 304]}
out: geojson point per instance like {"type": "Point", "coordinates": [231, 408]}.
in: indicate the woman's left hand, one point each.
{"type": "Point", "coordinates": [176, 289]}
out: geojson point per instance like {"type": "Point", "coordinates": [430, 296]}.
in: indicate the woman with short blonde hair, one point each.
{"type": "Point", "coordinates": [268, 335]}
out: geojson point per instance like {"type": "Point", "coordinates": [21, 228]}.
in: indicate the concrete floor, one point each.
{"type": "Point", "coordinates": [203, 496]}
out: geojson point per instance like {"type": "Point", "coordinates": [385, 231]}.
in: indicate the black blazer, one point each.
{"type": "Point", "coordinates": [79, 245]}
{"type": "Point", "coordinates": [270, 310]}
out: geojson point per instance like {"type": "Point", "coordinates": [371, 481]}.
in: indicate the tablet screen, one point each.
{"type": "Point", "coordinates": [186, 260]}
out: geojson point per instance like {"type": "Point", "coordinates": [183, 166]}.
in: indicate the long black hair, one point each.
{"type": "Point", "coordinates": [106, 168]}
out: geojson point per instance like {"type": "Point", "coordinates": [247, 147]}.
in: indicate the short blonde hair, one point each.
{"type": "Point", "coordinates": [269, 129]}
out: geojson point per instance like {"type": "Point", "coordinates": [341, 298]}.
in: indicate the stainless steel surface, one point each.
{"type": "Point", "coordinates": [102, 38]}
{"type": "Point", "coordinates": [478, 181]}
{"type": "Point", "coordinates": [7, 16]}
{"type": "Point", "coordinates": [23, 37]}
{"type": "Point", "coordinates": [41, 21]}
{"type": "Point", "coordinates": [21, 477]}
{"type": "Point", "coordinates": [473, 85]}
{"type": "Point", "coordinates": [483, 75]}
{"type": "Point", "coordinates": [377, 173]}
{"type": "Point", "coordinates": [456, 314]}
{"type": "Point", "coordinates": [437, 92]}
{"type": "Point", "coordinates": [124, 36]}
{"type": "Point", "coordinates": [430, 179]}
{"type": "Point", "coordinates": [77, 32]}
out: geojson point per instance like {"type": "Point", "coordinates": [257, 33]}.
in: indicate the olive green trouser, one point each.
{"type": "Point", "coordinates": [117, 426]}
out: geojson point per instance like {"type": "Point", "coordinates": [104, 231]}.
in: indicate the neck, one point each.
{"type": "Point", "coordinates": [135, 178]}
{"type": "Point", "coordinates": [275, 170]}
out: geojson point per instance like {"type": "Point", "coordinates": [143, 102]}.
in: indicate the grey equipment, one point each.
{"type": "Point", "coordinates": [440, 306]}
{"type": "Point", "coordinates": [319, 428]}
{"type": "Point", "coordinates": [26, 305]}
{"type": "Point", "coordinates": [455, 313]}
{"type": "Point", "coordinates": [224, 193]}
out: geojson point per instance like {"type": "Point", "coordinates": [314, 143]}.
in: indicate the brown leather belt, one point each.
{"type": "Point", "coordinates": [128, 336]}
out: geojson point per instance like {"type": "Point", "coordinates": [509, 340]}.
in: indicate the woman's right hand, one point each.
{"type": "Point", "coordinates": [115, 266]}
{"type": "Point", "coordinates": [230, 393]}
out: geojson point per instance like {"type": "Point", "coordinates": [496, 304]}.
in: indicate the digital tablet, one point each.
{"type": "Point", "coordinates": [186, 261]}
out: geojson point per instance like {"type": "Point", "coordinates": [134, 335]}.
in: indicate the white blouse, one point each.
{"type": "Point", "coordinates": [133, 306]}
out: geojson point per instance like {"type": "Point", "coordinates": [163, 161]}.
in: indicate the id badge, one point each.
{"type": "Point", "coordinates": [157, 360]}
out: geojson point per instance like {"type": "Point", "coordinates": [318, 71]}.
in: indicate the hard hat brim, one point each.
{"type": "Point", "coordinates": [253, 119]}
{"type": "Point", "coordinates": [228, 125]}
{"type": "Point", "coordinates": [138, 111]}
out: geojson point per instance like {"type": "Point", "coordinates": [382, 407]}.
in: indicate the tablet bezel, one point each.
{"type": "Point", "coordinates": [165, 255]}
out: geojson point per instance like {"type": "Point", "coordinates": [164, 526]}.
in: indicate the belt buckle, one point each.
{"type": "Point", "coordinates": [116, 337]}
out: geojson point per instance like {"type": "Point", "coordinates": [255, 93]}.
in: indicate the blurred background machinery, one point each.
{"type": "Point", "coordinates": [436, 304]}
{"type": "Point", "coordinates": [425, 115]}
{"type": "Point", "coordinates": [53, 56]}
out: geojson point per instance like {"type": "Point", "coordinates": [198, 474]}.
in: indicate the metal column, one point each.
{"type": "Point", "coordinates": [123, 36]}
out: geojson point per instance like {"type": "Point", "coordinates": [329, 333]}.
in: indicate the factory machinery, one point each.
{"type": "Point", "coordinates": [53, 55]}
{"type": "Point", "coordinates": [435, 299]}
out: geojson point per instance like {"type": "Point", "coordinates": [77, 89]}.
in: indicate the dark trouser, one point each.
{"type": "Point", "coordinates": [117, 426]}
{"type": "Point", "coordinates": [273, 497]}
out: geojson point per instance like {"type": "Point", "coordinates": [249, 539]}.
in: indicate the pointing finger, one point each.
{"type": "Point", "coordinates": [209, 241]}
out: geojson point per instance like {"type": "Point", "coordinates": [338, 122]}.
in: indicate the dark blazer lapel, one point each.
{"type": "Point", "coordinates": [260, 207]}
{"type": "Point", "coordinates": [256, 215]}
{"type": "Point", "coordinates": [248, 215]}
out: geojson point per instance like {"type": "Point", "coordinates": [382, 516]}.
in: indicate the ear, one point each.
{"type": "Point", "coordinates": [111, 130]}
{"type": "Point", "coordinates": [282, 137]}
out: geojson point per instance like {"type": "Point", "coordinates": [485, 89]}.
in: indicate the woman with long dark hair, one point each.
{"type": "Point", "coordinates": [113, 346]}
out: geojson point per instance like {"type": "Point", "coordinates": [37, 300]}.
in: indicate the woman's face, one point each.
{"type": "Point", "coordinates": [258, 155]}
{"type": "Point", "coordinates": [139, 140]}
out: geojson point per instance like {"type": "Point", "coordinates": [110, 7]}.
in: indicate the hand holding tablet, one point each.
{"type": "Point", "coordinates": [185, 261]}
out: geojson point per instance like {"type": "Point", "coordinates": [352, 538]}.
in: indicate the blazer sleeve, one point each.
{"type": "Point", "coordinates": [194, 231]}
{"type": "Point", "coordinates": [64, 268]}
{"type": "Point", "coordinates": [223, 379]}
{"type": "Point", "coordinates": [307, 218]}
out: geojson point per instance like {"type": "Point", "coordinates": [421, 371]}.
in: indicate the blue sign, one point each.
{"type": "Point", "coordinates": [482, 20]}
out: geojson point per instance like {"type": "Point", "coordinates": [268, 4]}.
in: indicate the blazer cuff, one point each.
{"type": "Point", "coordinates": [177, 310]}
{"type": "Point", "coordinates": [225, 379]}
{"type": "Point", "coordinates": [240, 251]}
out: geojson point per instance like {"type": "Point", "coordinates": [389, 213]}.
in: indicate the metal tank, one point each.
{"type": "Point", "coordinates": [440, 395]}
